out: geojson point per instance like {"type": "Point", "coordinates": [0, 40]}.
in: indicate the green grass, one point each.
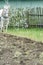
{"type": "Point", "coordinates": [32, 33]}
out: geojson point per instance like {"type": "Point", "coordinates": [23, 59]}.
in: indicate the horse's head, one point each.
{"type": "Point", "coordinates": [6, 7]}
{"type": "Point", "coordinates": [6, 10]}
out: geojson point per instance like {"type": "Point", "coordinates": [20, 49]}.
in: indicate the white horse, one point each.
{"type": "Point", "coordinates": [4, 17]}
{"type": "Point", "coordinates": [1, 10]}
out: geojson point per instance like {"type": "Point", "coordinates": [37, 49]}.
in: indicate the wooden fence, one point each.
{"type": "Point", "coordinates": [36, 16]}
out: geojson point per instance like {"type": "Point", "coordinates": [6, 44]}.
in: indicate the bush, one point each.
{"type": "Point", "coordinates": [18, 18]}
{"type": "Point", "coordinates": [21, 17]}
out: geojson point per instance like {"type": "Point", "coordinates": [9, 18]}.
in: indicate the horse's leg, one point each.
{"type": "Point", "coordinates": [2, 24]}
{"type": "Point", "coordinates": [7, 24]}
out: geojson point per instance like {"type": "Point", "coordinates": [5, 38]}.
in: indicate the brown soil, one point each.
{"type": "Point", "coordinates": [20, 51]}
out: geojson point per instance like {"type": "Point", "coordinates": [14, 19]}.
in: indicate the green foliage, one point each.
{"type": "Point", "coordinates": [21, 17]}
{"type": "Point", "coordinates": [18, 18]}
